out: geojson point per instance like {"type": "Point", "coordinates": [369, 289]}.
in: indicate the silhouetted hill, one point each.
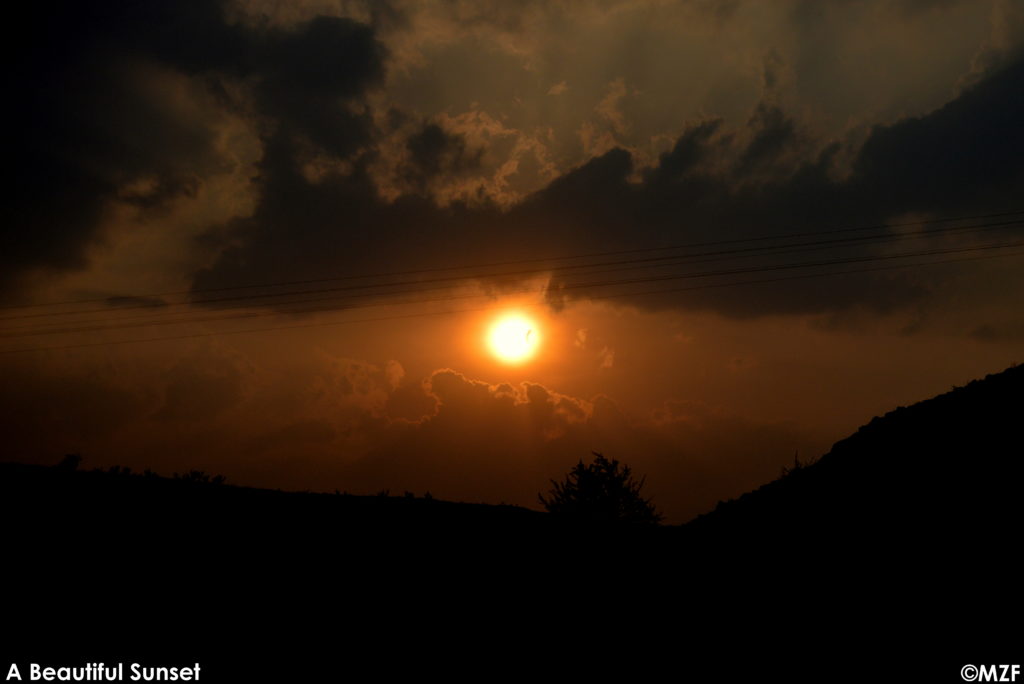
{"type": "Point", "coordinates": [264, 585]}
{"type": "Point", "coordinates": [942, 471]}
{"type": "Point", "coordinates": [63, 498]}
{"type": "Point", "coordinates": [907, 529]}
{"type": "Point", "coordinates": [894, 555]}
{"type": "Point", "coordinates": [81, 507]}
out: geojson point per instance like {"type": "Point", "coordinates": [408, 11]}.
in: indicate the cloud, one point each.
{"type": "Point", "coordinates": [481, 442]}
{"type": "Point", "coordinates": [610, 127]}
{"type": "Point", "coordinates": [129, 104]}
{"type": "Point", "coordinates": [258, 142]}
{"type": "Point", "coordinates": [433, 151]}
{"type": "Point", "coordinates": [352, 178]}
{"type": "Point", "coordinates": [715, 182]}
{"type": "Point", "coordinates": [964, 155]}
{"type": "Point", "coordinates": [91, 128]}
{"type": "Point", "coordinates": [505, 442]}
{"type": "Point", "coordinates": [326, 422]}
{"type": "Point", "coordinates": [558, 88]}
{"type": "Point", "coordinates": [200, 387]}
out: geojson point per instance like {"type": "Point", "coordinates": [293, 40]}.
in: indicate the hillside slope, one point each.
{"type": "Point", "coordinates": [908, 528]}
{"type": "Point", "coordinates": [942, 471]}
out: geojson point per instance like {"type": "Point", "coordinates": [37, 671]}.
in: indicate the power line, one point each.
{"type": "Point", "coordinates": [782, 236]}
{"type": "Point", "coordinates": [567, 286]}
{"type": "Point", "coordinates": [490, 308]}
{"type": "Point", "coordinates": [417, 286]}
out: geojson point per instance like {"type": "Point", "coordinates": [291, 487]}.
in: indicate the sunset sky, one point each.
{"type": "Point", "coordinates": [273, 239]}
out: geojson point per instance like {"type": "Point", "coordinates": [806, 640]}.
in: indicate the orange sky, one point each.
{"type": "Point", "coordinates": [740, 230]}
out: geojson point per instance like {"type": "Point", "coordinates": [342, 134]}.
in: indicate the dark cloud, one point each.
{"type": "Point", "coordinates": [713, 184]}
{"type": "Point", "coordinates": [83, 125]}
{"type": "Point", "coordinates": [689, 154]}
{"type": "Point", "coordinates": [434, 152]}
{"type": "Point", "coordinates": [92, 121]}
{"type": "Point", "coordinates": [93, 133]}
{"type": "Point", "coordinates": [773, 134]}
{"type": "Point", "coordinates": [964, 156]}
{"type": "Point", "coordinates": [308, 75]}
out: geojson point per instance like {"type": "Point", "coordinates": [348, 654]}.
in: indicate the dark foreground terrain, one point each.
{"type": "Point", "coordinates": [897, 553]}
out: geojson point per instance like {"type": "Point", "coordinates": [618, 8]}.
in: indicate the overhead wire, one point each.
{"type": "Point", "coordinates": [418, 286]}
{"type": "Point", "coordinates": [317, 324]}
{"type": "Point", "coordinates": [614, 295]}
{"type": "Point", "coordinates": [545, 260]}
{"type": "Point", "coordinates": [355, 304]}
{"type": "Point", "coordinates": [345, 301]}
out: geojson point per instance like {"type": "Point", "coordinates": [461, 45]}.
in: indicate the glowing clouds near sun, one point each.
{"type": "Point", "coordinates": [513, 338]}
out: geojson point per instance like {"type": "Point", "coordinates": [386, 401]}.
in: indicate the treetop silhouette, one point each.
{"type": "Point", "coordinates": [602, 491]}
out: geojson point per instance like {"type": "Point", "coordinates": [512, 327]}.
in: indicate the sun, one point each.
{"type": "Point", "coordinates": [513, 338]}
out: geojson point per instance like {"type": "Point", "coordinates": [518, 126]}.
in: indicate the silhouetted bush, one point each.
{"type": "Point", "coordinates": [603, 491]}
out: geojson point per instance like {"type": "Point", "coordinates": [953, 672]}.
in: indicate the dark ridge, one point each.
{"type": "Point", "coordinates": [942, 469]}
{"type": "Point", "coordinates": [927, 477]}
{"type": "Point", "coordinates": [63, 509]}
{"type": "Point", "coordinates": [898, 547]}
{"type": "Point", "coordinates": [63, 497]}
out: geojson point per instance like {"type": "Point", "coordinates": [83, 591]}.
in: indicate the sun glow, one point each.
{"type": "Point", "coordinates": [513, 338]}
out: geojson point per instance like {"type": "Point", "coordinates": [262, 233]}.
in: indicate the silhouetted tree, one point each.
{"type": "Point", "coordinates": [601, 491]}
{"type": "Point", "coordinates": [798, 465]}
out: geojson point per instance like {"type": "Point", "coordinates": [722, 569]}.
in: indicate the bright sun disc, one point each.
{"type": "Point", "coordinates": [513, 338]}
